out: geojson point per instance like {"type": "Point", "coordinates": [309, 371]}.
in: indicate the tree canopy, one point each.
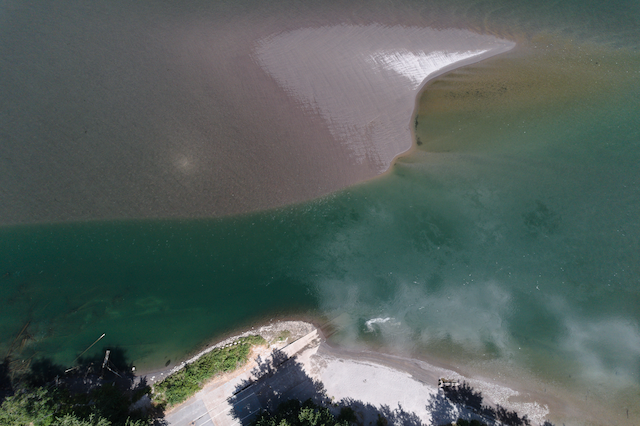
{"type": "Point", "coordinates": [293, 413]}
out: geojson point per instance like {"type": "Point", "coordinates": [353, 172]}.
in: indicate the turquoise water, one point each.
{"type": "Point", "coordinates": [509, 240]}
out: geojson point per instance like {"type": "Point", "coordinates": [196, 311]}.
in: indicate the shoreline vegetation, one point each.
{"type": "Point", "coordinates": [185, 382]}
{"type": "Point", "coordinates": [260, 362]}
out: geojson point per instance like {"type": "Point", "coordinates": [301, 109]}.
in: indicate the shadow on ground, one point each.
{"type": "Point", "coordinates": [279, 379]}
{"type": "Point", "coordinates": [6, 388]}
{"type": "Point", "coordinates": [103, 385]}
{"type": "Point", "coordinates": [465, 396]}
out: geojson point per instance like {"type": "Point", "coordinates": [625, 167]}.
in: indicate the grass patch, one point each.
{"type": "Point", "coordinates": [184, 383]}
{"type": "Point", "coordinates": [282, 336]}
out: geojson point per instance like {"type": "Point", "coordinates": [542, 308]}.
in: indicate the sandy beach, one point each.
{"type": "Point", "coordinates": [303, 366]}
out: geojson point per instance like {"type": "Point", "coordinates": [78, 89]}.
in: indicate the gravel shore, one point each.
{"type": "Point", "coordinates": [298, 363]}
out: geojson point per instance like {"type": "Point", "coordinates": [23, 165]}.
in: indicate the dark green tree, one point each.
{"type": "Point", "coordinates": [293, 413]}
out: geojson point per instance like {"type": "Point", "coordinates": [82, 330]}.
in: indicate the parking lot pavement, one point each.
{"type": "Point", "coordinates": [232, 403]}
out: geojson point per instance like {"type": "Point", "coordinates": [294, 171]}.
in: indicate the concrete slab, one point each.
{"type": "Point", "coordinates": [193, 414]}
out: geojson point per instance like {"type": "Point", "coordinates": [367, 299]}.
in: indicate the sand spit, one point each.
{"type": "Point", "coordinates": [364, 80]}
{"type": "Point", "coordinates": [370, 382]}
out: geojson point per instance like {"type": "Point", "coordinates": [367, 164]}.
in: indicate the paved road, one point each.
{"type": "Point", "coordinates": [236, 401]}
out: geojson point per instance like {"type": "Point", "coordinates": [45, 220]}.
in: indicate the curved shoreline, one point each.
{"type": "Point", "coordinates": [423, 87]}
{"type": "Point", "coordinates": [333, 365]}
{"type": "Point", "coordinates": [332, 112]}
{"type": "Point", "coordinates": [364, 82]}
{"type": "Point", "coordinates": [267, 331]}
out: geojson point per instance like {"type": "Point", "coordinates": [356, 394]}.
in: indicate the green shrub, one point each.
{"type": "Point", "coordinates": [347, 415]}
{"type": "Point", "coordinates": [292, 413]}
{"type": "Point", "coordinates": [36, 407]}
{"type": "Point", "coordinates": [184, 383]}
{"type": "Point", "coordinates": [45, 407]}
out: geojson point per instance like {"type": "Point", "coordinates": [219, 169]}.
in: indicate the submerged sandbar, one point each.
{"type": "Point", "coordinates": [363, 80]}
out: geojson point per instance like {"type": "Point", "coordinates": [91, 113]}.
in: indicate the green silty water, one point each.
{"type": "Point", "coordinates": [158, 289]}
{"type": "Point", "coordinates": [508, 240]}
